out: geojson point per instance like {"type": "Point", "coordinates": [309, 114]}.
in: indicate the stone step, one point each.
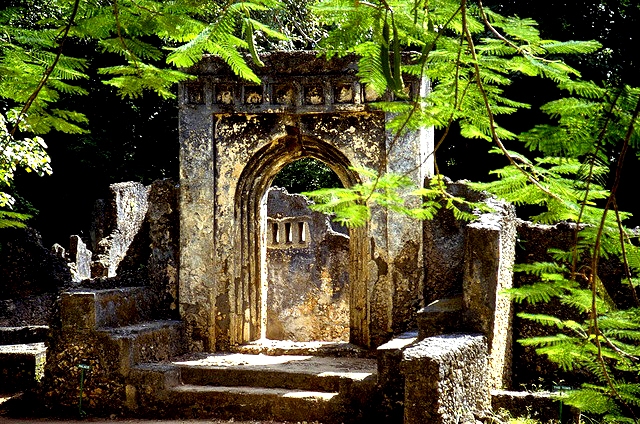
{"type": "Point", "coordinates": [21, 366]}
{"type": "Point", "coordinates": [119, 307]}
{"type": "Point", "coordinates": [23, 334]}
{"type": "Point", "coordinates": [256, 403]}
{"type": "Point", "coordinates": [283, 371]}
{"type": "Point", "coordinates": [316, 348]}
{"type": "Point", "coordinates": [255, 387]}
{"type": "Point", "coordinates": [152, 341]}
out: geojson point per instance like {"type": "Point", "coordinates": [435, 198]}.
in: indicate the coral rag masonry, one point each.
{"type": "Point", "coordinates": [235, 137]}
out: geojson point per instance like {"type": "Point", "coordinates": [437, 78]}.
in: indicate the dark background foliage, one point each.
{"type": "Point", "coordinates": [137, 140]}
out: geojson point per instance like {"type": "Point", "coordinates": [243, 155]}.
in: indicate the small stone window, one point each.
{"type": "Point", "coordinates": [224, 95]}
{"type": "Point", "coordinates": [288, 233]}
{"type": "Point", "coordinates": [253, 94]}
{"type": "Point", "coordinates": [301, 235]}
{"type": "Point", "coordinates": [275, 233]}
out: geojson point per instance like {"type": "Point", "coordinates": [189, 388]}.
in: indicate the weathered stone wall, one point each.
{"type": "Point", "coordinates": [446, 379]}
{"type": "Point", "coordinates": [444, 241]}
{"type": "Point", "coordinates": [535, 240]}
{"type": "Point", "coordinates": [116, 221]}
{"type": "Point", "coordinates": [31, 275]}
{"type": "Point", "coordinates": [308, 282]}
{"type": "Point", "coordinates": [235, 137]}
{"type": "Point", "coordinates": [489, 258]}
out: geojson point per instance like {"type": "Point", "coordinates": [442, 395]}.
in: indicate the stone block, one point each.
{"type": "Point", "coordinates": [391, 380]}
{"type": "Point", "coordinates": [78, 310]}
{"type": "Point", "coordinates": [21, 366]}
{"type": "Point", "coordinates": [445, 379]}
{"type": "Point", "coordinates": [440, 317]}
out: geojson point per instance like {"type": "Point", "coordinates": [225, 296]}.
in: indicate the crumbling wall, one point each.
{"type": "Point", "coordinates": [115, 223]}
{"type": "Point", "coordinates": [475, 260]}
{"type": "Point", "coordinates": [444, 241]}
{"type": "Point", "coordinates": [31, 276]}
{"type": "Point", "coordinates": [308, 282]}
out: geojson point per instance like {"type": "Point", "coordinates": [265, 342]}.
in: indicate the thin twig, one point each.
{"type": "Point", "coordinates": [599, 144]}
{"type": "Point", "coordinates": [488, 108]}
{"type": "Point", "coordinates": [625, 261]}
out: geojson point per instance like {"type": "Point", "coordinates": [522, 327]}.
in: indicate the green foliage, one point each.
{"type": "Point", "coordinates": [49, 49]}
{"type": "Point", "coordinates": [306, 175]}
{"type": "Point", "coordinates": [570, 167]}
{"type": "Point", "coordinates": [352, 206]}
{"type": "Point", "coordinates": [27, 153]}
{"type": "Point", "coordinates": [12, 219]}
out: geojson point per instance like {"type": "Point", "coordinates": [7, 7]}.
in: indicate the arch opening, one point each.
{"type": "Point", "coordinates": [306, 259]}
{"type": "Point", "coordinates": [254, 234]}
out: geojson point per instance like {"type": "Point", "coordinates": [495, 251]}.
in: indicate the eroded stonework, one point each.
{"type": "Point", "coordinates": [235, 137]}
{"type": "Point", "coordinates": [308, 282]}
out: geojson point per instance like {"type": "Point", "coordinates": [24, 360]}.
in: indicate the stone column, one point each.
{"type": "Point", "coordinates": [197, 214]}
{"type": "Point", "coordinates": [398, 238]}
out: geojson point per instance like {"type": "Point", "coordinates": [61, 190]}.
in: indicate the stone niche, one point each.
{"type": "Point", "coordinates": [234, 138]}
{"type": "Point", "coordinates": [308, 282]}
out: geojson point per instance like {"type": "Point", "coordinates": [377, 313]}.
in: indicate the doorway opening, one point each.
{"type": "Point", "coordinates": [306, 260]}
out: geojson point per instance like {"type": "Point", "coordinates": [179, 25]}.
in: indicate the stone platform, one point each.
{"type": "Point", "coordinates": [256, 386]}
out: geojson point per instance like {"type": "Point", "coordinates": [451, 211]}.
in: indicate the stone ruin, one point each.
{"type": "Point", "coordinates": [307, 280]}
{"type": "Point", "coordinates": [176, 306]}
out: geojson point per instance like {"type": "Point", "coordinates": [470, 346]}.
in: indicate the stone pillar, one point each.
{"type": "Point", "coordinates": [489, 258]}
{"type": "Point", "coordinates": [445, 379]}
{"type": "Point", "coordinates": [398, 238]}
{"type": "Point", "coordinates": [197, 214]}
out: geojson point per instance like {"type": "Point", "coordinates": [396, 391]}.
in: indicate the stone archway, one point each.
{"type": "Point", "coordinates": [253, 185]}
{"type": "Point", "coordinates": [234, 138]}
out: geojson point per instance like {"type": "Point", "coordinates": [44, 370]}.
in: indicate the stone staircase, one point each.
{"type": "Point", "coordinates": [141, 361]}
{"type": "Point", "coordinates": [247, 386]}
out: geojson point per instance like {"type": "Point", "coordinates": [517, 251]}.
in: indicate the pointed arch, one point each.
{"type": "Point", "coordinates": [247, 292]}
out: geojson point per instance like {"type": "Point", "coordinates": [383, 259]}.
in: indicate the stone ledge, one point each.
{"type": "Point", "coordinates": [21, 365]}
{"type": "Point", "coordinates": [543, 406]}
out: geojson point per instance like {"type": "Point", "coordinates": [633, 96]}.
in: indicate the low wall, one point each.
{"type": "Point", "coordinates": [446, 379]}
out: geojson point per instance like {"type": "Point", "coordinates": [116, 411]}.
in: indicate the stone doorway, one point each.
{"type": "Point", "coordinates": [235, 137]}
{"type": "Point", "coordinates": [307, 258]}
